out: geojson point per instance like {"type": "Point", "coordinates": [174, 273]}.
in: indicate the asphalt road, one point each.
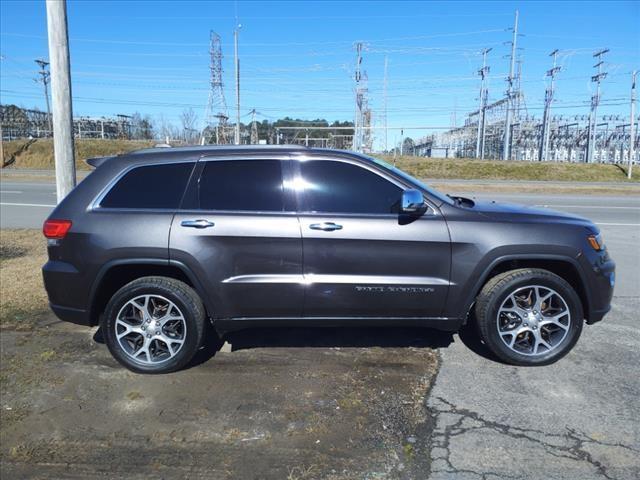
{"type": "Point", "coordinates": [578, 418]}
{"type": "Point", "coordinates": [27, 204]}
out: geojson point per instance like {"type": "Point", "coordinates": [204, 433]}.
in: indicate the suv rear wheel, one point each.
{"type": "Point", "coordinates": [154, 325]}
{"type": "Point", "coordinates": [529, 316]}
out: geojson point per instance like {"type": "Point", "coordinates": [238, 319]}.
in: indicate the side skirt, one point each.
{"type": "Point", "coordinates": [223, 325]}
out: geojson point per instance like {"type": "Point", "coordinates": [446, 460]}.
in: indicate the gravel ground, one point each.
{"type": "Point", "coordinates": [294, 404]}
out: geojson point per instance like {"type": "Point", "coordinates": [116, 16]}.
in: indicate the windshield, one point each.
{"type": "Point", "coordinates": [413, 181]}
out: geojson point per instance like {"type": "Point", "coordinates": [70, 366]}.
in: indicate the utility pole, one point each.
{"type": "Point", "coordinates": [510, 93]}
{"type": "Point", "coordinates": [548, 100]}
{"type": "Point", "coordinates": [595, 101]}
{"type": "Point", "coordinates": [357, 132]}
{"type": "Point", "coordinates": [1, 136]}
{"type": "Point", "coordinates": [61, 93]}
{"type": "Point", "coordinates": [632, 123]}
{"type": "Point", "coordinates": [44, 78]}
{"type": "Point", "coordinates": [237, 64]}
{"type": "Point", "coordinates": [518, 86]}
{"type": "Point", "coordinates": [386, 133]}
{"type": "Point", "coordinates": [483, 72]}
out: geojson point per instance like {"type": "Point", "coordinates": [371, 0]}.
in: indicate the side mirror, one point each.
{"type": "Point", "coordinates": [412, 202]}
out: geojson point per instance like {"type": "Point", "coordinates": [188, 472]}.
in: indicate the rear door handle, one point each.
{"type": "Point", "coordinates": [325, 226]}
{"type": "Point", "coordinates": [200, 223]}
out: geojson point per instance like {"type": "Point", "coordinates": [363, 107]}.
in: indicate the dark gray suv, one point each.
{"type": "Point", "coordinates": [155, 243]}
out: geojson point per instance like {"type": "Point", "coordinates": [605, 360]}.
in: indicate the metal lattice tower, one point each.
{"type": "Point", "coordinates": [362, 139]}
{"type": "Point", "coordinates": [216, 115]}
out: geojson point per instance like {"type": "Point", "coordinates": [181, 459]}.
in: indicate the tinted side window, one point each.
{"type": "Point", "coordinates": [152, 186]}
{"type": "Point", "coordinates": [338, 187]}
{"type": "Point", "coordinates": [249, 185]}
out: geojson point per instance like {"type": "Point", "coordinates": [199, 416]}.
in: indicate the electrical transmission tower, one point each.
{"type": "Point", "coordinates": [254, 128]}
{"type": "Point", "coordinates": [510, 93]}
{"type": "Point", "coordinates": [548, 100]}
{"type": "Point", "coordinates": [45, 78]}
{"type": "Point", "coordinates": [362, 140]}
{"type": "Point", "coordinates": [484, 95]}
{"type": "Point", "coordinates": [595, 101]}
{"type": "Point", "coordinates": [216, 115]}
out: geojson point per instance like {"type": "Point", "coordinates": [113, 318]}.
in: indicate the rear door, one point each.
{"type": "Point", "coordinates": [361, 257]}
{"type": "Point", "coordinates": [238, 231]}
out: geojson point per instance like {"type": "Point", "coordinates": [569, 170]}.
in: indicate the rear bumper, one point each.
{"type": "Point", "coordinates": [66, 290]}
{"type": "Point", "coordinates": [72, 315]}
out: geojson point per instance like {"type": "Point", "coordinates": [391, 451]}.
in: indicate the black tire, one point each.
{"type": "Point", "coordinates": [183, 297]}
{"type": "Point", "coordinates": [499, 288]}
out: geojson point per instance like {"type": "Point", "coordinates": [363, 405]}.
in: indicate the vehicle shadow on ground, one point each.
{"type": "Point", "coordinates": [343, 337]}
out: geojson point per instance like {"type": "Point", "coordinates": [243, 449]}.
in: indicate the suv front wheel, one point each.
{"type": "Point", "coordinates": [529, 316]}
{"type": "Point", "coordinates": [154, 325]}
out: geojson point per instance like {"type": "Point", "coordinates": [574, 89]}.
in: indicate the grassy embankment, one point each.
{"type": "Point", "coordinates": [470, 169]}
{"type": "Point", "coordinates": [40, 156]}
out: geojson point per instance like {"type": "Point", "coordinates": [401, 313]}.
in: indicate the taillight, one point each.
{"type": "Point", "coordinates": [56, 229]}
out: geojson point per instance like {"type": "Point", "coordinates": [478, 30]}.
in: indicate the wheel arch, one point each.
{"type": "Point", "coordinates": [566, 268]}
{"type": "Point", "coordinates": [117, 273]}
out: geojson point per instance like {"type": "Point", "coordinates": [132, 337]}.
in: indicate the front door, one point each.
{"type": "Point", "coordinates": [361, 257]}
{"type": "Point", "coordinates": [239, 234]}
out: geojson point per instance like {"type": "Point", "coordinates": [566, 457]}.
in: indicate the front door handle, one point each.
{"type": "Point", "coordinates": [325, 226]}
{"type": "Point", "coordinates": [200, 223]}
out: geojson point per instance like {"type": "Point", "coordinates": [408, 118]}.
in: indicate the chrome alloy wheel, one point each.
{"type": "Point", "coordinates": [533, 320]}
{"type": "Point", "coordinates": [150, 329]}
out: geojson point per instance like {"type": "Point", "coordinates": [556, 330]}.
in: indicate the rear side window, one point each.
{"type": "Point", "coordinates": [242, 185]}
{"type": "Point", "coordinates": [151, 186]}
{"type": "Point", "coordinates": [340, 187]}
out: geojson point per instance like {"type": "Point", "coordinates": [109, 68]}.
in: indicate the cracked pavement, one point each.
{"type": "Point", "coordinates": [578, 418]}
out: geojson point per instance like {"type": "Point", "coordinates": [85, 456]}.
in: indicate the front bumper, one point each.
{"type": "Point", "coordinates": [602, 276]}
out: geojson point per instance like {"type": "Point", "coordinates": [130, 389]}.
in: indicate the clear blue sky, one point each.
{"type": "Point", "coordinates": [297, 58]}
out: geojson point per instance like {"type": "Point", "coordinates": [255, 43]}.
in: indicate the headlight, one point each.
{"type": "Point", "coordinates": [596, 242]}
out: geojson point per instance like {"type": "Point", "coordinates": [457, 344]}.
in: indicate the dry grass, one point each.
{"type": "Point", "coordinates": [535, 188]}
{"type": "Point", "coordinates": [10, 148]}
{"type": "Point", "coordinates": [22, 294]}
{"type": "Point", "coordinates": [448, 168]}
{"type": "Point", "coordinates": [40, 154]}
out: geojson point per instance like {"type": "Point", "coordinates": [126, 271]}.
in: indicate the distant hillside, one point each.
{"type": "Point", "coordinates": [39, 155]}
